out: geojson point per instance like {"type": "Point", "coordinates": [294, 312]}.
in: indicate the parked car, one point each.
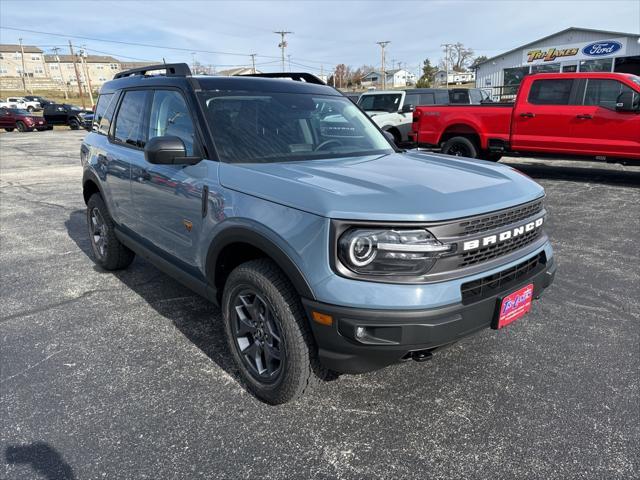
{"type": "Point", "coordinates": [64, 114]}
{"type": "Point", "coordinates": [584, 114]}
{"type": "Point", "coordinates": [392, 110]}
{"type": "Point", "coordinates": [22, 120]}
{"type": "Point", "coordinates": [41, 100]}
{"type": "Point", "coordinates": [21, 104]}
{"type": "Point", "coordinates": [328, 250]}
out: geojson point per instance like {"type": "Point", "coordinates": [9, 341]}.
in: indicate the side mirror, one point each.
{"type": "Point", "coordinates": [166, 150]}
{"type": "Point", "coordinates": [624, 102]}
{"type": "Point", "coordinates": [408, 108]}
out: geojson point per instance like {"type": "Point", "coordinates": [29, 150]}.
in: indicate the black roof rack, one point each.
{"type": "Point", "coordinates": [297, 76]}
{"type": "Point", "coordinates": [171, 70]}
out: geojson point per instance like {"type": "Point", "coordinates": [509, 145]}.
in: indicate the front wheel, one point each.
{"type": "Point", "coordinates": [30, 109]}
{"type": "Point", "coordinates": [460, 147]}
{"type": "Point", "coordinates": [21, 126]}
{"type": "Point", "coordinates": [108, 252]}
{"type": "Point", "coordinates": [9, 129]}
{"type": "Point", "coordinates": [73, 124]}
{"type": "Point", "coordinates": [268, 332]}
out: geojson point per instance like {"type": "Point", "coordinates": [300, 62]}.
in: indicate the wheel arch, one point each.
{"type": "Point", "coordinates": [461, 129]}
{"type": "Point", "coordinates": [240, 243]}
{"type": "Point", "coordinates": [90, 185]}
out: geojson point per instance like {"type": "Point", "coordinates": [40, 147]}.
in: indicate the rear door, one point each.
{"type": "Point", "coordinates": [543, 119]}
{"type": "Point", "coordinates": [599, 128]}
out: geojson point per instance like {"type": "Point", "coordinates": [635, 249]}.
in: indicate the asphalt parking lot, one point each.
{"type": "Point", "coordinates": [127, 375]}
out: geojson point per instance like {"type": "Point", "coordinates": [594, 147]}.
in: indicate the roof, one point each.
{"type": "Point", "coordinates": [10, 47]}
{"type": "Point", "coordinates": [570, 29]}
{"type": "Point", "coordinates": [87, 59]}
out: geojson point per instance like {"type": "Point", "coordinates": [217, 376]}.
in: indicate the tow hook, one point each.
{"type": "Point", "coordinates": [422, 355]}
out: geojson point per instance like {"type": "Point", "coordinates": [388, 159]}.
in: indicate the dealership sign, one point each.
{"type": "Point", "coordinates": [575, 51]}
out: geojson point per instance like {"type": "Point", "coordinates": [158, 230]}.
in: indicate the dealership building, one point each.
{"type": "Point", "coordinates": [571, 50]}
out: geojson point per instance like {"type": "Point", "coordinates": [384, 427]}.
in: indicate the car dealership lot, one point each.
{"type": "Point", "coordinates": [127, 375]}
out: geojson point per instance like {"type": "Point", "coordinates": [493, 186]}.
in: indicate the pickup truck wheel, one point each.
{"type": "Point", "coordinates": [8, 129]}
{"type": "Point", "coordinates": [109, 253]}
{"type": "Point", "coordinates": [30, 108]}
{"type": "Point", "coordinates": [21, 126]}
{"type": "Point", "coordinates": [460, 147]}
{"type": "Point", "coordinates": [73, 124]}
{"type": "Point", "coordinates": [268, 333]}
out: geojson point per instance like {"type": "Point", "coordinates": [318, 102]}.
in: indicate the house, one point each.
{"type": "Point", "coordinates": [455, 78]}
{"type": "Point", "coordinates": [394, 79]}
{"type": "Point", "coordinates": [11, 61]}
{"type": "Point", "coordinates": [97, 69]}
{"type": "Point", "coordinates": [238, 71]}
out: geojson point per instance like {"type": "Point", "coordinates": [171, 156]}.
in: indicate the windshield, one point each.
{"type": "Point", "coordinates": [280, 127]}
{"type": "Point", "coordinates": [380, 102]}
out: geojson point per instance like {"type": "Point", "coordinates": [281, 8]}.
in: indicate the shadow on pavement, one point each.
{"type": "Point", "coordinates": [42, 458]}
{"type": "Point", "coordinates": [196, 318]}
{"type": "Point", "coordinates": [576, 173]}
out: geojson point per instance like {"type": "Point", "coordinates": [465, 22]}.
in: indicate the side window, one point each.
{"type": "Point", "coordinates": [104, 113]}
{"type": "Point", "coordinates": [427, 99]}
{"type": "Point", "coordinates": [603, 93]}
{"type": "Point", "coordinates": [130, 119]}
{"type": "Point", "coordinates": [170, 116]}
{"type": "Point", "coordinates": [411, 100]}
{"type": "Point", "coordinates": [551, 92]}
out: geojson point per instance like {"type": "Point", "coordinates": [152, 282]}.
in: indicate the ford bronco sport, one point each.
{"type": "Point", "coordinates": [328, 249]}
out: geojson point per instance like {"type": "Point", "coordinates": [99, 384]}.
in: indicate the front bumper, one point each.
{"type": "Point", "coordinates": [393, 335]}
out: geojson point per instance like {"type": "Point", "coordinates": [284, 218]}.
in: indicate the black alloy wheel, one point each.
{"type": "Point", "coordinates": [98, 233]}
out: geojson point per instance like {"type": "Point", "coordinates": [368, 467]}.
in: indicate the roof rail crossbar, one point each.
{"type": "Point", "coordinates": [297, 76]}
{"type": "Point", "coordinates": [171, 70]}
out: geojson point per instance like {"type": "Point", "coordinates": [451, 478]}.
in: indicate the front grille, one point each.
{"type": "Point", "coordinates": [493, 284]}
{"type": "Point", "coordinates": [498, 249]}
{"type": "Point", "coordinates": [498, 219]}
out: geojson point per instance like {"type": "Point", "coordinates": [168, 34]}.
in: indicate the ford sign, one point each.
{"type": "Point", "coordinates": [599, 49]}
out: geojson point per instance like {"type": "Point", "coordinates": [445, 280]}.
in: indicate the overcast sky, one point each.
{"type": "Point", "coordinates": [325, 32]}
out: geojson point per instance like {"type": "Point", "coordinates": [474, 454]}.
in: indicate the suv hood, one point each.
{"type": "Point", "coordinates": [393, 187]}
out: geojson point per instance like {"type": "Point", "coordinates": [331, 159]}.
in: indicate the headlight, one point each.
{"type": "Point", "coordinates": [406, 252]}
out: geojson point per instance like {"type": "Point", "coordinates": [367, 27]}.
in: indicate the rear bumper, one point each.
{"type": "Point", "coordinates": [392, 335]}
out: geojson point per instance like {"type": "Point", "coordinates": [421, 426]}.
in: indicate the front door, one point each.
{"type": "Point", "coordinates": [543, 121]}
{"type": "Point", "coordinates": [600, 129]}
{"type": "Point", "coordinates": [169, 198]}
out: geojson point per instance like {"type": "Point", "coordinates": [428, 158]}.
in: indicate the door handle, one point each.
{"type": "Point", "coordinates": [584, 116]}
{"type": "Point", "coordinates": [528, 115]}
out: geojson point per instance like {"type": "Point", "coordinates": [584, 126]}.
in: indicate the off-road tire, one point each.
{"type": "Point", "coordinates": [461, 147]}
{"type": "Point", "coordinates": [300, 370]}
{"type": "Point", "coordinates": [116, 256]}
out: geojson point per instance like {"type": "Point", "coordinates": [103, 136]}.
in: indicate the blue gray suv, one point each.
{"type": "Point", "coordinates": [328, 249]}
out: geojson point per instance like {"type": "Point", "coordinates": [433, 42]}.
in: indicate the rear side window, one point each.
{"type": "Point", "coordinates": [603, 93]}
{"type": "Point", "coordinates": [427, 99]}
{"type": "Point", "coordinates": [458, 97]}
{"type": "Point", "coordinates": [104, 113]}
{"type": "Point", "coordinates": [170, 116]}
{"type": "Point", "coordinates": [412, 100]}
{"type": "Point", "coordinates": [551, 92]}
{"type": "Point", "coordinates": [129, 122]}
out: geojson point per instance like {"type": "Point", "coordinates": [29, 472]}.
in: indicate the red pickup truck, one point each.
{"type": "Point", "coordinates": [584, 114]}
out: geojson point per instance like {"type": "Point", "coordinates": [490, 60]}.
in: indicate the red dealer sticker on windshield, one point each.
{"type": "Point", "coordinates": [514, 306]}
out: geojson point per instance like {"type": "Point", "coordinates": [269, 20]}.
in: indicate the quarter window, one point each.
{"type": "Point", "coordinates": [130, 119]}
{"type": "Point", "coordinates": [551, 92]}
{"type": "Point", "coordinates": [104, 113]}
{"type": "Point", "coordinates": [170, 117]}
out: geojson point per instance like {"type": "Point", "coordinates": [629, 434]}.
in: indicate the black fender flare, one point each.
{"type": "Point", "coordinates": [90, 176]}
{"type": "Point", "coordinates": [249, 232]}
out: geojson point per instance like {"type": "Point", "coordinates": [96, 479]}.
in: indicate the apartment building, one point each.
{"type": "Point", "coordinates": [13, 65]}
{"type": "Point", "coordinates": [92, 69]}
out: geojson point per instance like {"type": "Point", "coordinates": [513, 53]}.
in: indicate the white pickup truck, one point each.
{"type": "Point", "coordinates": [392, 110]}
{"type": "Point", "coordinates": [20, 103]}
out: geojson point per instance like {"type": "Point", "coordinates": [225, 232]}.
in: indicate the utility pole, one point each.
{"type": "Point", "coordinates": [384, 73]}
{"type": "Point", "coordinates": [446, 62]}
{"type": "Point", "coordinates": [64, 83]}
{"type": "Point", "coordinates": [282, 44]}
{"type": "Point", "coordinates": [253, 63]}
{"type": "Point", "coordinates": [193, 63]}
{"type": "Point", "coordinates": [85, 68]}
{"type": "Point", "coordinates": [289, 61]}
{"type": "Point", "coordinates": [24, 70]}
{"type": "Point", "coordinates": [75, 68]}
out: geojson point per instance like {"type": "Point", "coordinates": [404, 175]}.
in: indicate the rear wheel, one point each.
{"type": "Point", "coordinates": [460, 147]}
{"type": "Point", "coordinates": [9, 129]}
{"type": "Point", "coordinates": [74, 124]}
{"type": "Point", "coordinates": [268, 332]}
{"type": "Point", "coordinates": [108, 252]}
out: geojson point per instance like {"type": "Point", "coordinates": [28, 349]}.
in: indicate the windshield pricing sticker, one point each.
{"type": "Point", "coordinates": [514, 306]}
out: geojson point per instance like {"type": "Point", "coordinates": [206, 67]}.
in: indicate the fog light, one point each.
{"type": "Point", "coordinates": [360, 332]}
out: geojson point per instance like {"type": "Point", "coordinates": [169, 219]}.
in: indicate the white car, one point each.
{"type": "Point", "coordinates": [20, 103]}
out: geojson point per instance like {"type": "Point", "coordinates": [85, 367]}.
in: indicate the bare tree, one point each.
{"type": "Point", "coordinates": [460, 58]}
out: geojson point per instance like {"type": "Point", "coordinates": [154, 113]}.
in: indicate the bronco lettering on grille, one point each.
{"type": "Point", "coordinates": [502, 236]}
